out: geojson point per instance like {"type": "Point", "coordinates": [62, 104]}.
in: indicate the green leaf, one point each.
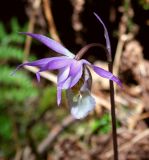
{"type": "Point", "coordinates": [39, 132]}
{"type": "Point", "coordinates": [14, 24]}
{"type": "Point", "coordinates": [19, 79]}
{"type": "Point", "coordinates": [5, 127]}
{"type": "Point", "coordinates": [2, 31]}
{"type": "Point", "coordinates": [48, 98]}
{"type": "Point", "coordinates": [101, 125]}
{"type": "Point", "coordinates": [12, 53]}
{"type": "Point", "coordinates": [20, 86]}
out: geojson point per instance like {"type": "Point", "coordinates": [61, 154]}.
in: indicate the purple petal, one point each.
{"type": "Point", "coordinates": [75, 74]}
{"type": "Point", "coordinates": [38, 76]}
{"type": "Point", "coordinates": [63, 74]}
{"type": "Point", "coordinates": [87, 80]}
{"type": "Point", "coordinates": [64, 80]}
{"type": "Point", "coordinates": [67, 83]}
{"type": "Point", "coordinates": [58, 63]}
{"type": "Point", "coordinates": [42, 62]}
{"type": "Point", "coordinates": [105, 74]}
{"type": "Point", "coordinates": [59, 94]}
{"type": "Point", "coordinates": [76, 71]}
{"type": "Point", "coordinates": [77, 77]}
{"type": "Point", "coordinates": [83, 61]}
{"type": "Point", "coordinates": [38, 73]}
{"type": "Point", "coordinates": [55, 46]}
{"type": "Point", "coordinates": [108, 45]}
{"type": "Point", "coordinates": [39, 63]}
{"type": "Point", "coordinates": [48, 63]}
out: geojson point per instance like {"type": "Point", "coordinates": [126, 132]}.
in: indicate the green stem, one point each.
{"type": "Point", "coordinates": [112, 99]}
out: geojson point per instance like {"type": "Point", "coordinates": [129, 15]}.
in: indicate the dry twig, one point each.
{"type": "Point", "coordinates": [46, 143]}
{"type": "Point", "coordinates": [47, 75]}
{"type": "Point", "coordinates": [50, 20]}
{"type": "Point", "coordinates": [32, 19]}
{"type": "Point", "coordinates": [123, 35]}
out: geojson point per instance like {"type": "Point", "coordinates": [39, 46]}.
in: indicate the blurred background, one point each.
{"type": "Point", "coordinates": [32, 127]}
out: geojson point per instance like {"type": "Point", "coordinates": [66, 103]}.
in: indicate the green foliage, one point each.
{"type": "Point", "coordinates": [39, 132]}
{"type": "Point", "coordinates": [9, 42]}
{"type": "Point", "coordinates": [16, 91]}
{"type": "Point", "coordinates": [101, 125]}
{"type": "Point", "coordinates": [2, 31]}
{"type": "Point", "coordinates": [21, 79]}
{"type": "Point", "coordinates": [12, 53]}
{"type": "Point", "coordinates": [12, 37]}
{"type": "Point", "coordinates": [48, 97]}
{"type": "Point", "coordinates": [20, 99]}
{"type": "Point", "coordinates": [6, 127]}
{"type": "Point", "coordinates": [144, 4]}
{"type": "Point", "coordinates": [20, 87]}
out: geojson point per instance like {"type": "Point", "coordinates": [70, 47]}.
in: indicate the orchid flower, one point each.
{"type": "Point", "coordinates": [74, 75]}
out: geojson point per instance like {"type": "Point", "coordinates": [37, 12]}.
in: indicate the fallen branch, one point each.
{"type": "Point", "coordinates": [47, 142]}
{"type": "Point", "coordinates": [47, 75]}
{"type": "Point", "coordinates": [32, 20]}
{"type": "Point", "coordinates": [50, 20]}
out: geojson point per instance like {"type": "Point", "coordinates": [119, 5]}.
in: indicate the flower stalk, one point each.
{"type": "Point", "coordinates": [113, 115]}
{"type": "Point", "coordinates": [112, 97]}
{"type": "Point", "coordinates": [78, 56]}
{"type": "Point", "coordinates": [75, 78]}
